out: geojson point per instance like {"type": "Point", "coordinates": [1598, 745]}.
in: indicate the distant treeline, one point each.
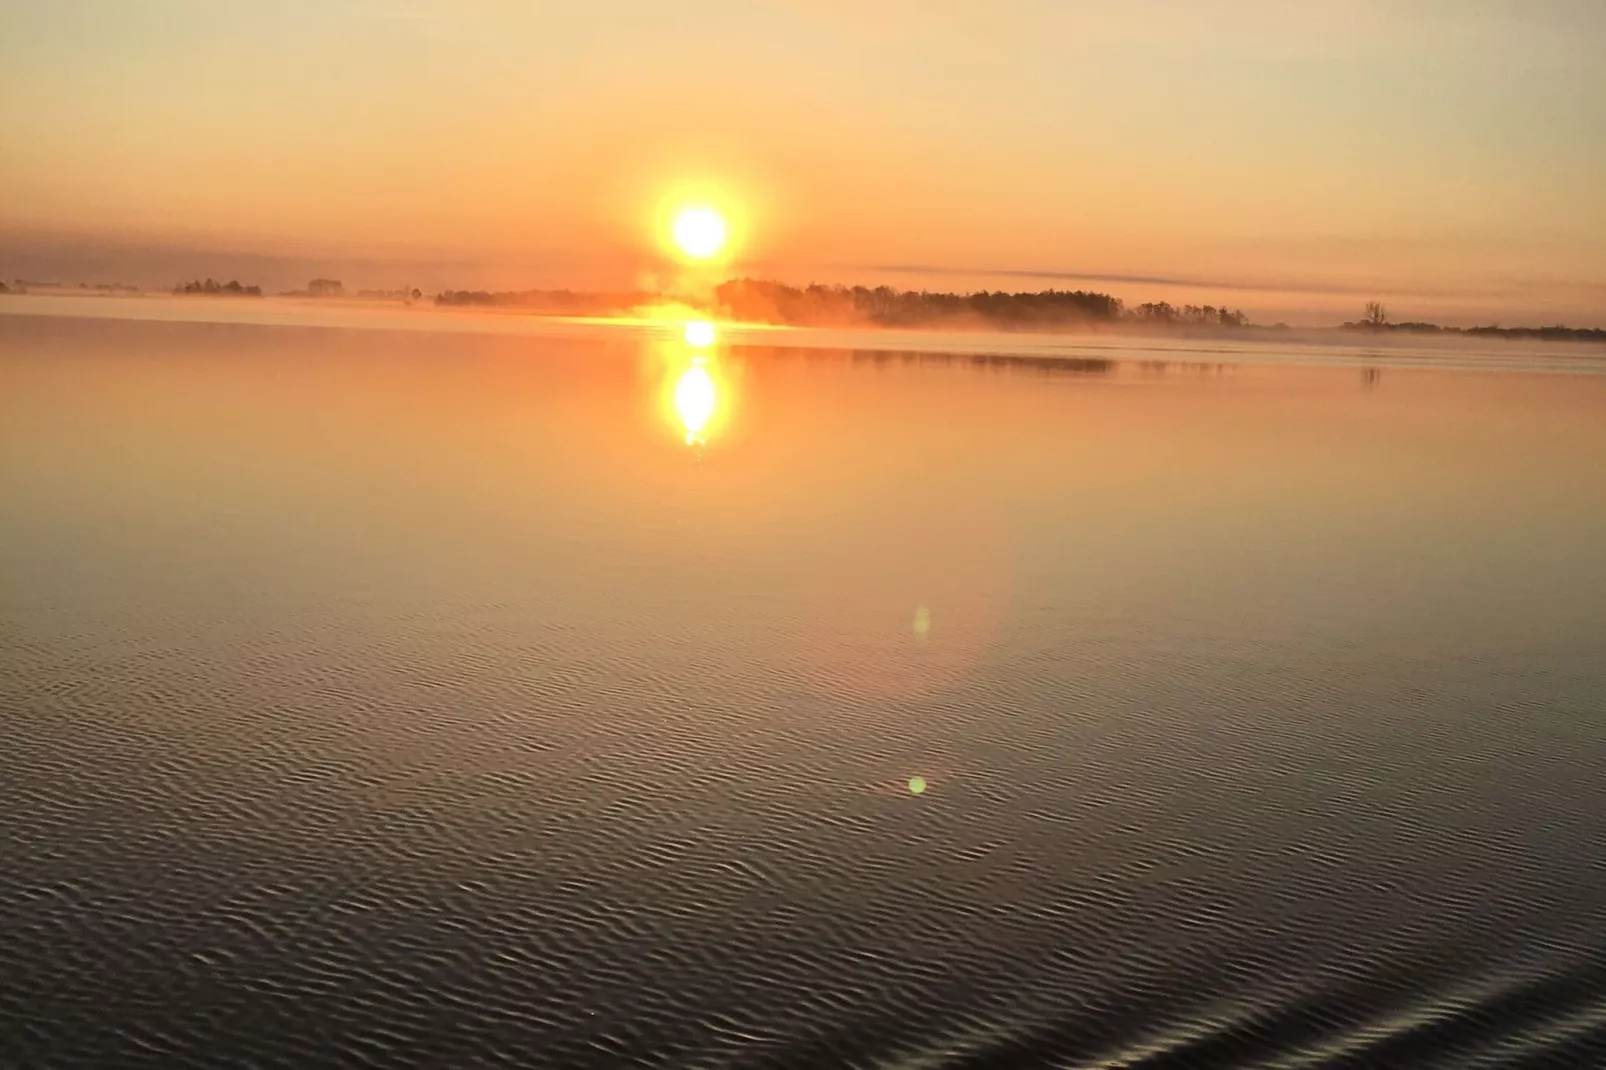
{"type": "Point", "coordinates": [232, 288]}
{"type": "Point", "coordinates": [761, 301]}
{"type": "Point", "coordinates": [1165, 314]}
{"type": "Point", "coordinates": [1543, 334]}
{"type": "Point", "coordinates": [565, 301]}
{"type": "Point", "coordinates": [24, 285]}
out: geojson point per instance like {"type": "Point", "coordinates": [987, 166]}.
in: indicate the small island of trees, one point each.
{"type": "Point", "coordinates": [565, 302]}
{"type": "Point", "coordinates": [1376, 319]}
{"type": "Point", "coordinates": [212, 287]}
{"type": "Point", "coordinates": [816, 305]}
{"type": "Point", "coordinates": [759, 301]}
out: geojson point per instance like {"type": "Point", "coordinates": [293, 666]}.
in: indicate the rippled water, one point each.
{"type": "Point", "coordinates": [412, 698]}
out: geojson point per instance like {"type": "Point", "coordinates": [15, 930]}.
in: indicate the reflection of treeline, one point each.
{"type": "Point", "coordinates": [1040, 363]}
{"type": "Point", "coordinates": [760, 301]}
{"type": "Point", "coordinates": [232, 288]}
{"type": "Point", "coordinates": [567, 301]}
{"type": "Point", "coordinates": [1047, 365]}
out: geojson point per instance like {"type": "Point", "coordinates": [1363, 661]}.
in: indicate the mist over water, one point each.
{"type": "Point", "coordinates": [459, 698]}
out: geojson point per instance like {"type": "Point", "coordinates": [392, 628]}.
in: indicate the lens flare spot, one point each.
{"type": "Point", "coordinates": [922, 622]}
{"type": "Point", "coordinates": [699, 232]}
{"type": "Point", "coordinates": [700, 333]}
{"type": "Point", "coordinates": [917, 785]}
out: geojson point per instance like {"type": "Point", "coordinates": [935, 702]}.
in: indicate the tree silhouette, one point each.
{"type": "Point", "coordinates": [232, 288]}
{"type": "Point", "coordinates": [763, 301]}
{"type": "Point", "coordinates": [1376, 314]}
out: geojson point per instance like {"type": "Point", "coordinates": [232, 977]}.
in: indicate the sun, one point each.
{"type": "Point", "coordinates": [699, 231]}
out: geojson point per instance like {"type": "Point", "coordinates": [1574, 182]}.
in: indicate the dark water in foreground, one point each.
{"type": "Point", "coordinates": [394, 698]}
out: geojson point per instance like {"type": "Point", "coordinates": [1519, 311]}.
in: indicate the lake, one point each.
{"type": "Point", "coordinates": [502, 695]}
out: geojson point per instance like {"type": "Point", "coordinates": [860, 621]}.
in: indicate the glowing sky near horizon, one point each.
{"type": "Point", "coordinates": [1447, 157]}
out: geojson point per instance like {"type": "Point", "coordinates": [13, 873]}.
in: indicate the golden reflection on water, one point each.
{"type": "Point", "coordinates": [696, 400]}
{"type": "Point", "coordinates": [698, 389]}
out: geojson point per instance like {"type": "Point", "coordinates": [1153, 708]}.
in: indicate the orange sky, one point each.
{"type": "Point", "coordinates": [1447, 156]}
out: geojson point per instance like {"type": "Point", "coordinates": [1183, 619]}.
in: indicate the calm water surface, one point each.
{"type": "Point", "coordinates": [446, 699]}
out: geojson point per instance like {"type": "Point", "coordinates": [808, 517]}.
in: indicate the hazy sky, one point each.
{"type": "Point", "coordinates": [1448, 156]}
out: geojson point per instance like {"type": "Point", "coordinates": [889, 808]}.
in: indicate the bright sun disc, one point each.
{"type": "Point", "coordinates": [700, 333]}
{"type": "Point", "coordinates": [700, 232]}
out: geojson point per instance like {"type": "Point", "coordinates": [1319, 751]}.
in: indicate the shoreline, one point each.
{"type": "Point", "coordinates": [1320, 346]}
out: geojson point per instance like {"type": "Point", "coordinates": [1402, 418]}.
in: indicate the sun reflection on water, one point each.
{"type": "Point", "coordinates": [696, 399]}
{"type": "Point", "coordinates": [697, 388]}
